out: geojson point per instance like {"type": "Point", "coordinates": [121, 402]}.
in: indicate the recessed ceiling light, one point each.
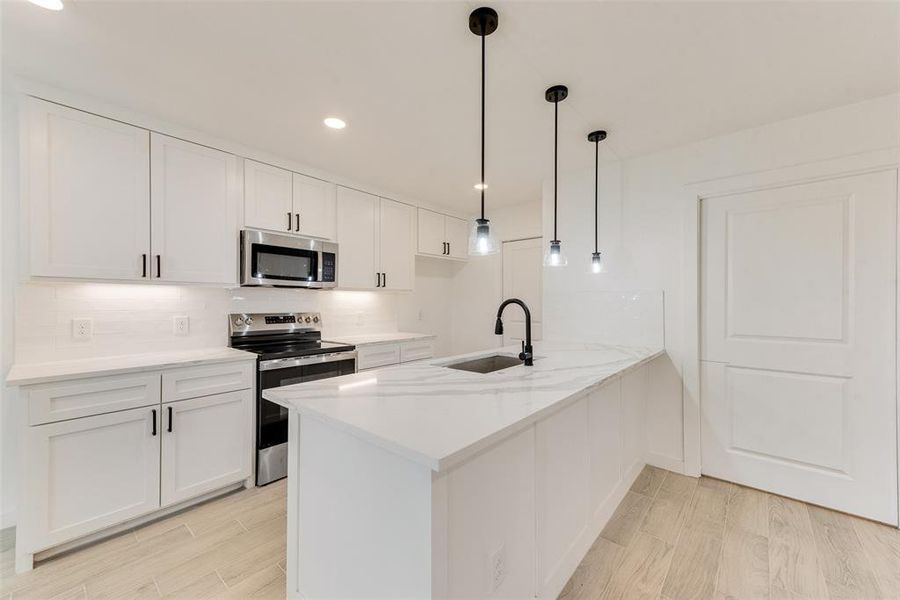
{"type": "Point", "coordinates": [481, 186]}
{"type": "Point", "coordinates": [334, 123]}
{"type": "Point", "coordinates": [48, 4]}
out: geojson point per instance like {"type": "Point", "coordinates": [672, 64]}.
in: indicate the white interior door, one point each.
{"type": "Point", "coordinates": [522, 275]}
{"type": "Point", "coordinates": [357, 223]}
{"type": "Point", "coordinates": [88, 194]}
{"type": "Point", "coordinates": [194, 199]}
{"type": "Point", "coordinates": [798, 347]}
{"type": "Point", "coordinates": [397, 242]}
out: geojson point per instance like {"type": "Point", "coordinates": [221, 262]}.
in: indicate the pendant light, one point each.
{"type": "Point", "coordinates": [596, 137]}
{"type": "Point", "coordinates": [554, 257]}
{"type": "Point", "coordinates": [482, 22]}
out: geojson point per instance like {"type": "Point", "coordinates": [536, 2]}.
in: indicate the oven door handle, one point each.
{"type": "Point", "coordinates": [299, 361]}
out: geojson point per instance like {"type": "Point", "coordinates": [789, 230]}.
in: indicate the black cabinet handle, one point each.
{"type": "Point", "coordinates": [448, 248]}
{"type": "Point", "coordinates": [289, 220]}
{"type": "Point", "coordinates": [158, 267]}
{"type": "Point", "coordinates": [143, 265]}
{"type": "Point", "coordinates": [297, 215]}
{"type": "Point", "coordinates": [384, 279]}
{"type": "Point", "coordinates": [154, 421]}
{"type": "Point", "coordinates": [377, 280]}
{"type": "Point", "coordinates": [169, 408]}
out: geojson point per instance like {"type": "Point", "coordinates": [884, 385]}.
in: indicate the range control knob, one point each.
{"type": "Point", "coordinates": [248, 321]}
{"type": "Point", "coordinates": [238, 321]}
{"type": "Point", "coordinates": [315, 319]}
{"type": "Point", "coordinates": [308, 319]}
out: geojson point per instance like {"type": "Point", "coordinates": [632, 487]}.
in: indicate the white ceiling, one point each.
{"type": "Point", "coordinates": [405, 77]}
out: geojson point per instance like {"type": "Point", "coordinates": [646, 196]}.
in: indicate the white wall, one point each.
{"type": "Point", "coordinates": [642, 210]}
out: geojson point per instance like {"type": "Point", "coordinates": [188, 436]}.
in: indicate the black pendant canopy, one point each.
{"type": "Point", "coordinates": [554, 256]}
{"type": "Point", "coordinates": [596, 137]}
{"type": "Point", "coordinates": [482, 22]}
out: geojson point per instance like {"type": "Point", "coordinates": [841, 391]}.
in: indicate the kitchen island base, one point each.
{"type": "Point", "coordinates": [513, 520]}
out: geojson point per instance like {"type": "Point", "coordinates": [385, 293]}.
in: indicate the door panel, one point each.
{"type": "Point", "coordinates": [314, 201]}
{"type": "Point", "coordinates": [431, 233]}
{"type": "Point", "coordinates": [206, 444]}
{"type": "Point", "coordinates": [457, 234]}
{"type": "Point", "coordinates": [267, 197]}
{"type": "Point", "coordinates": [358, 248]}
{"type": "Point", "coordinates": [798, 347]}
{"type": "Point", "coordinates": [522, 276]}
{"type": "Point", "coordinates": [88, 193]}
{"type": "Point", "coordinates": [194, 203]}
{"type": "Point", "coordinates": [397, 241]}
{"type": "Point", "coordinates": [90, 473]}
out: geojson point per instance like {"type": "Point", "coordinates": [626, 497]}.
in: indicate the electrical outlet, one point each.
{"type": "Point", "coordinates": [497, 568]}
{"type": "Point", "coordinates": [181, 325]}
{"type": "Point", "coordinates": [421, 315]}
{"type": "Point", "coordinates": [82, 329]}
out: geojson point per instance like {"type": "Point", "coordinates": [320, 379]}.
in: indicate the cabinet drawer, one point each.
{"type": "Point", "coordinates": [205, 380]}
{"type": "Point", "coordinates": [379, 355]}
{"type": "Point", "coordinates": [63, 400]}
{"type": "Point", "coordinates": [417, 350]}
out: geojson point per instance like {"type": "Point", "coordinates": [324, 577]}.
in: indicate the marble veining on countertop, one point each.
{"type": "Point", "coordinates": [439, 417]}
{"type": "Point", "coordinates": [26, 374]}
{"type": "Point", "coordinates": [367, 339]}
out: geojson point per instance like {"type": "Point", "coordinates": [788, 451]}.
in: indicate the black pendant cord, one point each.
{"type": "Point", "coordinates": [482, 123]}
{"type": "Point", "coordinates": [596, 193]}
{"type": "Point", "coordinates": [555, 160]}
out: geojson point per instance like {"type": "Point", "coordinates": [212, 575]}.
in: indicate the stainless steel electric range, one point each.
{"type": "Point", "coordinates": [290, 350]}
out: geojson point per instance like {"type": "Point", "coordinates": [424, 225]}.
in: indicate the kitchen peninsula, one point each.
{"type": "Point", "coordinates": [423, 481]}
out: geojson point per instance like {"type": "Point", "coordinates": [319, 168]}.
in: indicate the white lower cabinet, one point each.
{"type": "Point", "coordinates": [104, 468]}
{"type": "Point", "coordinates": [86, 474]}
{"type": "Point", "coordinates": [205, 444]}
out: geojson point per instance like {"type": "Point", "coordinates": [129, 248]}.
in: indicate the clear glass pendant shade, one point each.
{"type": "Point", "coordinates": [598, 265]}
{"type": "Point", "coordinates": [481, 241]}
{"type": "Point", "coordinates": [554, 256]}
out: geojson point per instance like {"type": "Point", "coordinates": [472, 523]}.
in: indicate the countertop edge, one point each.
{"type": "Point", "coordinates": [448, 462]}
{"type": "Point", "coordinates": [348, 339]}
{"type": "Point", "coordinates": [61, 374]}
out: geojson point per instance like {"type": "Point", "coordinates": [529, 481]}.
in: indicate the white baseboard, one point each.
{"type": "Point", "coordinates": [583, 543]}
{"type": "Point", "coordinates": [665, 462]}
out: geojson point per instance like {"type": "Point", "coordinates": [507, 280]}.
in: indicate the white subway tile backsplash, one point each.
{"type": "Point", "coordinates": [132, 318]}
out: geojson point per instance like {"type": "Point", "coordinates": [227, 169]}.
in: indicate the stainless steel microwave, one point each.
{"type": "Point", "coordinates": [271, 259]}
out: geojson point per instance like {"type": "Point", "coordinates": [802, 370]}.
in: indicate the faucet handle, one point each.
{"type": "Point", "coordinates": [522, 353]}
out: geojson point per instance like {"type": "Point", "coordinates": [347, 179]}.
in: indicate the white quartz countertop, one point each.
{"type": "Point", "coordinates": [439, 417]}
{"type": "Point", "coordinates": [379, 338]}
{"type": "Point", "coordinates": [26, 374]}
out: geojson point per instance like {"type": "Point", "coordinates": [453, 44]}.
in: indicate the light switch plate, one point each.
{"type": "Point", "coordinates": [181, 325]}
{"type": "Point", "coordinates": [82, 329]}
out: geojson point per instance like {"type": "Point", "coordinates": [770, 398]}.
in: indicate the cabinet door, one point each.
{"type": "Point", "coordinates": [357, 245]}
{"type": "Point", "coordinates": [194, 202]}
{"type": "Point", "coordinates": [431, 233]}
{"type": "Point", "coordinates": [86, 474]}
{"type": "Point", "coordinates": [267, 197]}
{"type": "Point", "coordinates": [88, 193]}
{"type": "Point", "coordinates": [457, 234]}
{"type": "Point", "coordinates": [314, 202]}
{"type": "Point", "coordinates": [397, 243]}
{"type": "Point", "coordinates": [206, 444]}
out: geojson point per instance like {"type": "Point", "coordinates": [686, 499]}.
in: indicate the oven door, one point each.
{"type": "Point", "coordinates": [271, 419]}
{"type": "Point", "coordinates": [269, 259]}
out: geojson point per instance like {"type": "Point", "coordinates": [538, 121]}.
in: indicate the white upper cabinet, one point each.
{"type": "Point", "coordinates": [457, 233]}
{"type": "Point", "coordinates": [194, 201]}
{"type": "Point", "coordinates": [431, 233]}
{"type": "Point", "coordinates": [314, 207]}
{"type": "Point", "coordinates": [268, 202]}
{"type": "Point", "coordinates": [376, 242]}
{"type": "Point", "coordinates": [442, 235]}
{"type": "Point", "coordinates": [87, 185]}
{"type": "Point", "coordinates": [397, 245]}
{"type": "Point", "coordinates": [357, 217]}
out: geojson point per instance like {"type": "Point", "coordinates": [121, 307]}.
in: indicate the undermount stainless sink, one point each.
{"type": "Point", "coordinates": [486, 364]}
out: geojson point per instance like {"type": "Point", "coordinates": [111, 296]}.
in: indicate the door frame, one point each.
{"type": "Point", "coordinates": [503, 267]}
{"type": "Point", "coordinates": [693, 194]}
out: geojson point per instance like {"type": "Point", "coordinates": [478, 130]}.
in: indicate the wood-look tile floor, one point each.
{"type": "Point", "coordinates": [675, 537]}
{"type": "Point", "coordinates": [231, 547]}
{"type": "Point", "coordinates": [672, 537]}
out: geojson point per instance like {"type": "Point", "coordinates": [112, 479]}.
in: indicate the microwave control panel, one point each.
{"type": "Point", "coordinates": [328, 264]}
